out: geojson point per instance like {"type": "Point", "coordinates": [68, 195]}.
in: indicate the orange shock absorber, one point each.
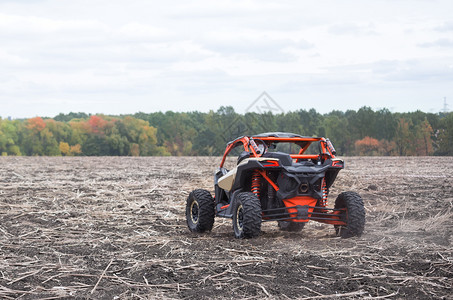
{"type": "Point", "coordinates": [256, 183]}
{"type": "Point", "coordinates": [324, 193]}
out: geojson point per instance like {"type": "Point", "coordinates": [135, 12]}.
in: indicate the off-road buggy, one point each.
{"type": "Point", "coordinates": [288, 186]}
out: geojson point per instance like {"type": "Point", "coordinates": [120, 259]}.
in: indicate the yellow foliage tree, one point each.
{"type": "Point", "coordinates": [65, 149]}
{"type": "Point", "coordinates": [76, 149]}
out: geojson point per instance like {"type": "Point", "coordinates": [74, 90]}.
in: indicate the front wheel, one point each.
{"type": "Point", "coordinates": [246, 216]}
{"type": "Point", "coordinates": [354, 215]}
{"type": "Point", "coordinates": [200, 211]}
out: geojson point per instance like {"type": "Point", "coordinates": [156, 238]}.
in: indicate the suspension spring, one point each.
{"type": "Point", "coordinates": [270, 197]}
{"type": "Point", "coordinates": [256, 183]}
{"type": "Point", "coordinates": [324, 193]}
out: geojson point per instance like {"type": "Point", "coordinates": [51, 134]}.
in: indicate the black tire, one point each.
{"type": "Point", "coordinates": [291, 226]}
{"type": "Point", "coordinates": [354, 215]}
{"type": "Point", "coordinates": [200, 211]}
{"type": "Point", "coordinates": [246, 216]}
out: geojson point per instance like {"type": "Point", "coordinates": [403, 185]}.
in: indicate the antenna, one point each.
{"type": "Point", "coordinates": [445, 109]}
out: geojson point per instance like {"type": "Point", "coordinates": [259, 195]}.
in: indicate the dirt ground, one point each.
{"type": "Point", "coordinates": [114, 228]}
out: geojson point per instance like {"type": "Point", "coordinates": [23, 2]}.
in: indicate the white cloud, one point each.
{"type": "Point", "coordinates": [353, 29]}
{"type": "Point", "coordinates": [267, 46]}
{"type": "Point", "coordinates": [444, 42]}
{"type": "Point", "coordinates": [446, 26]}
{"type": "Point", "coordinates": [25, 26]}
{"type": "Point", "coordinates": [144, 32]}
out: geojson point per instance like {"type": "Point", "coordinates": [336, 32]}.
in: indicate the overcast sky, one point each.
{"type": "Point", "coordinates": [118, 57]}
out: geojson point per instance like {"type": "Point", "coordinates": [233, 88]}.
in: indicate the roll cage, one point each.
{"type": "Point", "coordinates": [326, 149]}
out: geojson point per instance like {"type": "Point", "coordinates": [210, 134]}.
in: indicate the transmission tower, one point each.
{"type": "Point", "coordinates": [445, 109]}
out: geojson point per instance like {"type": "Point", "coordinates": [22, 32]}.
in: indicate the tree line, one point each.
{"type": "Point", "coordinates": [362, 132]}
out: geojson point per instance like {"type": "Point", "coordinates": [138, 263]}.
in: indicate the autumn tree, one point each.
{"type": "Point", "coordinates": [140, 133]}
{"type": "Point", "coordinates": [367, 146]}
{"type": "Point", "coordinates": [36, 124]}
{"type": "Point", "coordinates": [424, 142]}
{"type": "Point", "coordinates": [387, 148]}
{"type": "Point", "coordinates": [403, 137]}
{"type": "Point", "coordinates": [180, 130]}
{"type": "Point", "coordinates": [76, 149]}
{"type": "Point", "coordinates": [39, 140]}
{"type": "Point", "coordinates": [64, 148]}
{"type": "Point", "coordinates": [97, 124]}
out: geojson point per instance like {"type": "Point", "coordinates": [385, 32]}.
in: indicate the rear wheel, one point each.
{"type": "Point", "coordinates": [290, 226]}
{"type": "Point", "coordinates": [354, 215]}
{"type": "Point", "coordinates": [246, 216]}
{"type": "Point", "coordinates": [200, 211]}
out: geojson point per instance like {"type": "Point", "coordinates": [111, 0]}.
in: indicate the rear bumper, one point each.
{"type": "Point", "coordinates": [303, 209]}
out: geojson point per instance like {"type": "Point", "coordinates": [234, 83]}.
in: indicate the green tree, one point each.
{"type": "Point", "coordinates": [385, 124]}
{"type": "Point", "coordinates": [336, 126]}
{"type": "Point", "coordinates": [70, 116]}
{"type": "Point", "coordinates": [9, 138]}
{"type": "Point", "coordinates": [290, 122]}
{"type": "Point", "coordinates": [445, 136]}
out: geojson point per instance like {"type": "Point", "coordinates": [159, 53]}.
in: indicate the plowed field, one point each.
{"type": "Point", "coordinates": [114, 228]}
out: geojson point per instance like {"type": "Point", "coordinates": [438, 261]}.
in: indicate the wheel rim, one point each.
{"type": "Point", "coordinates": [194, 211]}
{"type": "Point", "coordinates": [239, 218]}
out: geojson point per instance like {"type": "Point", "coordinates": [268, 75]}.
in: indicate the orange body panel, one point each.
{"type": "Point", "coordinates": [306, 200]}
{"type": "Point", "coordinates": [300, 200]}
